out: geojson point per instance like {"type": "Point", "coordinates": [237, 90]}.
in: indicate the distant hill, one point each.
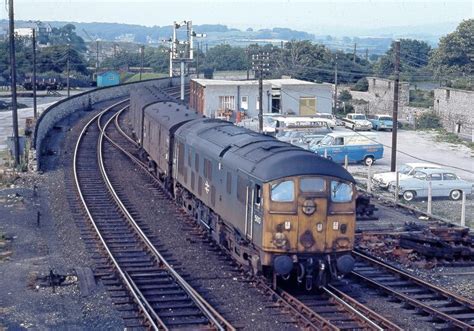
{"type": "Point", "coordinates": [216, 33]}
{"type": "Point", "coordinates": [372, 41]}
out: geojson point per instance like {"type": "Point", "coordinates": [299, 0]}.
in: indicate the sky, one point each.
{"type": "Point", "coordinates": [310, 16]}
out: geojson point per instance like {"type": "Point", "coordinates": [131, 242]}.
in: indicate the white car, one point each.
{"type": "Point", "coordinates": [407, 170]}
{"type": "Point", "coordinates": [357, 122]}
{"type": "Point", "coordinates": [331, 119]}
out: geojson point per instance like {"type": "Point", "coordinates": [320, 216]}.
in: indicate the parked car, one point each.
{"type": "Point", "coordinates": [381, 122]}
{"type": "Point", "coordinates": [358, 147]}
{"type": "Point", "coordinates": [384, 179]}
{"type": "Point", "coordinates": [312, 138]}
{"type": "Point", "coordinates": [444, 183]}
{"type": "Point", "coordinates": [357, 122]}
{"type": "Point", "coordinates": [330, 117]}
{"type": "Point", "coordinates": [290, 136]}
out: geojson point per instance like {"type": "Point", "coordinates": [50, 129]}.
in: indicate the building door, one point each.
{"type": "Point", "coordinates": [307, 106]}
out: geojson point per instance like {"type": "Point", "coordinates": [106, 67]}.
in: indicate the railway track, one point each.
{"type": "Point", "coordinates": [142, 280]}
{"type": "Point", "coordinates": [447, 310]}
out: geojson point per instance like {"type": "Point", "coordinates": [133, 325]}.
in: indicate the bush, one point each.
{"type": "Point", "coordinates": [429, 120]}
{"type": "Point", "coordinates": [361, 85]}
{"type": "Point", "coordinates": [345, 96]}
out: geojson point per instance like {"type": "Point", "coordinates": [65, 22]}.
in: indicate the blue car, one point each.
{"type": "Point", "coordinates": [357, 146]}
{"type": "Point", "coordinates": [381, 122]}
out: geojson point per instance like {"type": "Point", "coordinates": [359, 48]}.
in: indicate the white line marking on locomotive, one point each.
{"type": "Point", "coordinates": [207, 187]}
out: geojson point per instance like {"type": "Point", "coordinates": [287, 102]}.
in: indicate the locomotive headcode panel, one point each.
{"type": "Point", "coordinates": [277, 208]}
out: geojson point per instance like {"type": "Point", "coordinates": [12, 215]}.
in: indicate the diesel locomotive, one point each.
{"type": "Point", "coordinates": [278, 209]}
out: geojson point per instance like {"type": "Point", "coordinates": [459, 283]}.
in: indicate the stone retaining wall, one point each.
{"type": "Point", "coordinates": [66, 107]}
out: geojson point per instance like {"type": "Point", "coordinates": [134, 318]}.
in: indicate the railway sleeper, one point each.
{"type": "Point", "coordinates": [186, 322]}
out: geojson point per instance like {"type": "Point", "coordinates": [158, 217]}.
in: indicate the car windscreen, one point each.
{"type": "Point", "coordinates": [327, 140]}
{"type": "Point", "coordinates": [385, 118]}
{"type": "Point", "coordinates": [359, 117]}
{"type": "Point", "coordinates": [405, 169]}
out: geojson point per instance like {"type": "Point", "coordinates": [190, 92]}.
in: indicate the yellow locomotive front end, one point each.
{"type": "Point", "coordinates": [309, 228]}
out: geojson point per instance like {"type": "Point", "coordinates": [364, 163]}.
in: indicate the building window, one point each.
{"type": "Point", "coordinates": [448, 92]}
{"type": "Point", "coordinates": [244, 102]}
{"type": "Point", "coordinates": [257, 105]}
{"type": "Point", "coordinates": [307, 105]}
{"type": "Point", "coordinates": [227, 102]}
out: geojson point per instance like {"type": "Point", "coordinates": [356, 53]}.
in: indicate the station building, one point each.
{"type": "Point", "coordinates": [233, 100]}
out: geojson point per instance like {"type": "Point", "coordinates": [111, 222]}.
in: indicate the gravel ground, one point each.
{"type": "Point", "coordinates": [54, 244]}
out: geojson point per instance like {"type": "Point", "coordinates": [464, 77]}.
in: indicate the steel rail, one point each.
{"type": "Point", "coordinates": [144, 306]}
{"type": "Point", "coordinates": [352, 309]}
{"type": "Point", "coordinates": [205, 307]}
{"type": "Point", "coordinates": [383, 323]}
{"type": "Point", "coordinates": [119, 128]}
{"type": "Point", "coordinates": [447, 295]}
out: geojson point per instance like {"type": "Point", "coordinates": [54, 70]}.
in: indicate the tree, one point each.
{"type": "Point", "coordinates": [345, 95]}
{"type": "Point", "coordinates": [414, 57]}
{"type": "Point", "coordinates": [226, 57]}
{"type": "Point", "coordinates": [67, 35]}
{"type": "Point", "coordinates": [454, 53]}
{"type": "Point", "coordinates": [361, 85]}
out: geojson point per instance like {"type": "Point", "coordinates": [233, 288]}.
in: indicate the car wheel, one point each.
{"type": "Point", "coordinates": [455, 195]}
{"type": "Point", "coordinates": [369, 160]}
{"type": "Point", "coordinates": [409, 195]}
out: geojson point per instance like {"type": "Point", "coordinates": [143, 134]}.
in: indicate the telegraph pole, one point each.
{"type": "Point", "coordinates": [247, 50]}
{"type": "Point", "coordinates": [142, 54]}
{"type": "Point", "coordinates": [68, 71]}
{"type": "Point", "coordinates": [355, 50]}
{"type": "Point", "coordinates": [335, 87]}
{"type": "Point", "coordinates": [97, 59]}
{"type": "Point", "coordinates": [35, 110]}
{"type": "Point", "coordinates": [393, 164]}
{"type": "Point", "coordinates": [16, 141]}
{"type": "Point", "coordinates": [197, 60]}
{"type": "Point", "coordinates": [260, 66]}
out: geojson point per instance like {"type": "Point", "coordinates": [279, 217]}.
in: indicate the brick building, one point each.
{"type": "Point", "coordinates": [456, 109]}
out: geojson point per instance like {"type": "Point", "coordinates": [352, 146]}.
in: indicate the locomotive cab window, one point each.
{"type": "Point", "coordinates": [258, 195]}
{"type": "Point", "coordinates": [312, 184]}
{"type": "Point", "coordinates": [283, 191]}
{"type": "Point", "coordinates": [341, 192]}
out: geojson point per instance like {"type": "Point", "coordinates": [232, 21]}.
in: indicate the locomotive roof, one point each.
{"type": "Point", "coordinates": [170, 114]}
{"type": "Point", "coordinates": [264, 157]}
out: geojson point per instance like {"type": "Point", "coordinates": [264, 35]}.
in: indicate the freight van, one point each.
{"type": "Point", "coordinates": [357, 147]}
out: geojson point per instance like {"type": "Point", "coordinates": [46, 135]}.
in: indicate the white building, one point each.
{"type": "Point", "coordinates": [225, 98]}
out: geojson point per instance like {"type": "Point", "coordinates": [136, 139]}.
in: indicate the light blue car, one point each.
{"type": "Point", "coordinates": [381, 122]}
{"type": "Point", "coordinates": [444, 183]}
